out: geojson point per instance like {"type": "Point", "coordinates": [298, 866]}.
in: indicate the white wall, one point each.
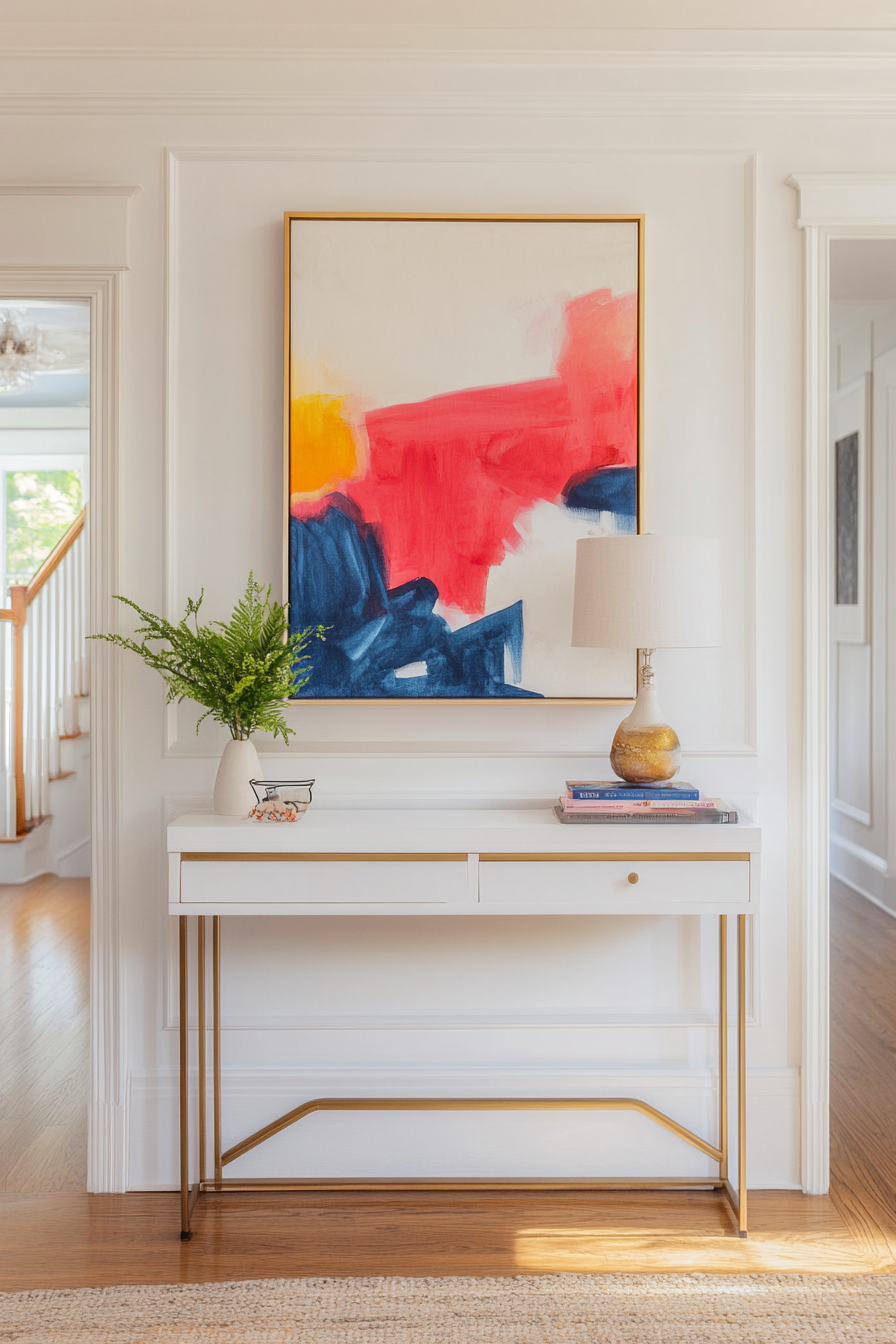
{"type": "Point", "coordinates": [220, 147]}
{"type": "Point", "coordinates": [863, 833]}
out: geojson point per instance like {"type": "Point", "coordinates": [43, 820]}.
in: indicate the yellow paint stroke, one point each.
{"type": "Point", "coordinates": [324, 449]}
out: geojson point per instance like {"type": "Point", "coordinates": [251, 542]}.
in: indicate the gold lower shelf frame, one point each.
{"type": "Point", "coordinates": [737, 1198]}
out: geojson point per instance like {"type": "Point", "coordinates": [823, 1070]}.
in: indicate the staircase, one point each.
{"type": "Point", "coordinates": [45, 718]}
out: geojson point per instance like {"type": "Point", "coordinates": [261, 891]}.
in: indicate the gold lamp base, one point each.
{"type": "Point", "coordinates": [645, 755]}
{"type": "Point", "coordinates": [645, 750]}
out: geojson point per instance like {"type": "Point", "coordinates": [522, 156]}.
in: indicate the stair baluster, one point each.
{"type": "Point", "coordinates": [44, 669]}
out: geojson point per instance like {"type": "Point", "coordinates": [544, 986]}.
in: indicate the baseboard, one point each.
{"type": "Point", "coordinates": [866, 895]}
{"type": "Point", "coordinates": [29, 858]}
{"type": "Point", "coordinates": [34, 857]}
{"type": "Point", "coordinates": [472, 1144]}
{"type": "Point", "coordinates": [76, 861]}
{"type": "Point", "coordinates": [864, 872]}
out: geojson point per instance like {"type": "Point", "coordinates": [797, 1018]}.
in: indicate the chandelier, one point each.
{"type": "Point", "coordinates": [23, 352]}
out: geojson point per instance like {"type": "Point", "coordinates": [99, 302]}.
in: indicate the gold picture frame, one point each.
{"type": "Point", "coordinates": [325, 251]}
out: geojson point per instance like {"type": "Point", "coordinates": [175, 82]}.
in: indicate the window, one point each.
{"type": "Point", "coordinates": [44, 429]}
{"type": "Point", "coordinates": [40, 507]}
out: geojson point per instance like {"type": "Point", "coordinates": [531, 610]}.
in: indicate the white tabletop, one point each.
{"type": "Point", "coordinates": [428, 830]}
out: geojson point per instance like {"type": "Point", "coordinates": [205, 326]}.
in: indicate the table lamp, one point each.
{"type": "Point", "coordinates": [646, 592]}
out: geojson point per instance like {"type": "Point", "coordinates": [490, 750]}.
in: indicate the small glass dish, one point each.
{"type": "Point", "coordinates": [280, 799]}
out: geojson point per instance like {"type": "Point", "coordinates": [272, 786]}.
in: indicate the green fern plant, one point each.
{"type": "Point", "coordinates": [241, 671]}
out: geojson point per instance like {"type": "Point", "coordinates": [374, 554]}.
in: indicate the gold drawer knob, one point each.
{"type": "Point", "coordinates": [633, 877]}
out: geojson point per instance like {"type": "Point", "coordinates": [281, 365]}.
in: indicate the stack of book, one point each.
{"type": "Point", "coordinates": [613, 802]}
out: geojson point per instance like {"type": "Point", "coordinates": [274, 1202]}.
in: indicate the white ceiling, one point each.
{"type": "Point", "coordinates": [863, 270]}
{"type": "Point", "coordinates": [66, 328]}
{"type": "Point", "coordinates": [730, 14]}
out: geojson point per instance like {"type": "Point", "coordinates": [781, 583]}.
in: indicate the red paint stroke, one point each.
{"type": "Point", "coordinates": [450, 477]}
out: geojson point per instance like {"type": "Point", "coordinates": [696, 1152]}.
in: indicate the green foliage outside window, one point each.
{"type": "Point", "coordinates": [40, 508]}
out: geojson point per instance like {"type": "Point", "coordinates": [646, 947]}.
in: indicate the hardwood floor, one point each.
{"type": "Point", "coordinates": [863, 1072]}
{"type": "Point", "coordinates": [70, 1241]}
{"type": "Point", "coordinates": [44, 1043]}
{"type": "Point", "coordinates": [52, 1235]}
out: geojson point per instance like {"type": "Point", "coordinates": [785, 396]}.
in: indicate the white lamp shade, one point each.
{"type": "Point", "coordinates": [647, 592]}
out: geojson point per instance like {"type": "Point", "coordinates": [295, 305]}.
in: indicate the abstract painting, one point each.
{"type": "Point", "coordinates": [462, 403]}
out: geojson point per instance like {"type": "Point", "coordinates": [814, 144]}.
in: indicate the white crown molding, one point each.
{"type": "Point", "coordinates": [400, 153]}
{"type": "Point", "coordinates": [685, 58]}
{"type": "Point", "coordinates": [527, 104]}
{"type": "Point", "coordinates": [65, 189]}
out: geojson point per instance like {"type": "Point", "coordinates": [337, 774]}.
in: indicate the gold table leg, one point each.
{"type": "Point", "coordinates": [723, 1046]}
{"type": "Point", "coordinates": [742, 1075]}
{"type": "Point", "coordinates": [738, 1200]}
{"type": "Point", "coordinates": [200, 985]}
{"type": "Point", "coordinates": [216, 1042]}
{"type": "Point", "coordinates": [185, 1232]}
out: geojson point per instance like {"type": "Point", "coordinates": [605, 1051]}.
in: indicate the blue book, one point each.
{"type": "Point", "coordinates": [613, 791]}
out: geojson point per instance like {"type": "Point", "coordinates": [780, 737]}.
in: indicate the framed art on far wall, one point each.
{"type": "Point", "coordinates": [462, 402]}
{"type": "Point", "coordinates": [850, 485]}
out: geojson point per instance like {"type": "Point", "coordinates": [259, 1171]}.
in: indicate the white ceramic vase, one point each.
{"type": "Point", "coordinates": [239, 763]}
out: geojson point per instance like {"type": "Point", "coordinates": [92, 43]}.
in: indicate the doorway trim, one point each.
{"type": "Point", "coordinates": [831, 205]}
{"type": "Point", "coordinates": [70, 241]}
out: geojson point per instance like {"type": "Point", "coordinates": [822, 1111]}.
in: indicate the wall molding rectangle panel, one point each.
{"type": "Point", "coordinates": [481, 1144]}
{"type": "Point", "coordinates": [224, 279]}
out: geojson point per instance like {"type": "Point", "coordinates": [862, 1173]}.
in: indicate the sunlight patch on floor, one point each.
{"type": "Point", "coordinates": [586, 1250]}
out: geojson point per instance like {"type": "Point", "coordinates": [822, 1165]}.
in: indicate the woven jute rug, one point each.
{"type": "Point", "coordinates": [544, 1309]}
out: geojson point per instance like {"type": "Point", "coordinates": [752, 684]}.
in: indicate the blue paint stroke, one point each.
{"type": "Point", "coordinates": [609, 490]}
{"type": "Point", "coordinates": [337, 578]}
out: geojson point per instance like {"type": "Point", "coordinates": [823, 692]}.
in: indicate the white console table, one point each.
{"type": "Point", "coordinates": [443, 863]}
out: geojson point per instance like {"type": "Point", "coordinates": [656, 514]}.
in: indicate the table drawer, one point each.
{"type": "Point", "coordinates": [302, 880]}
{"type": "Point", "coordinates": [595, 883]}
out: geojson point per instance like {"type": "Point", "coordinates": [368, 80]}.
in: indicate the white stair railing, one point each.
{"type": "Point", "coordinates": [42, 640]}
